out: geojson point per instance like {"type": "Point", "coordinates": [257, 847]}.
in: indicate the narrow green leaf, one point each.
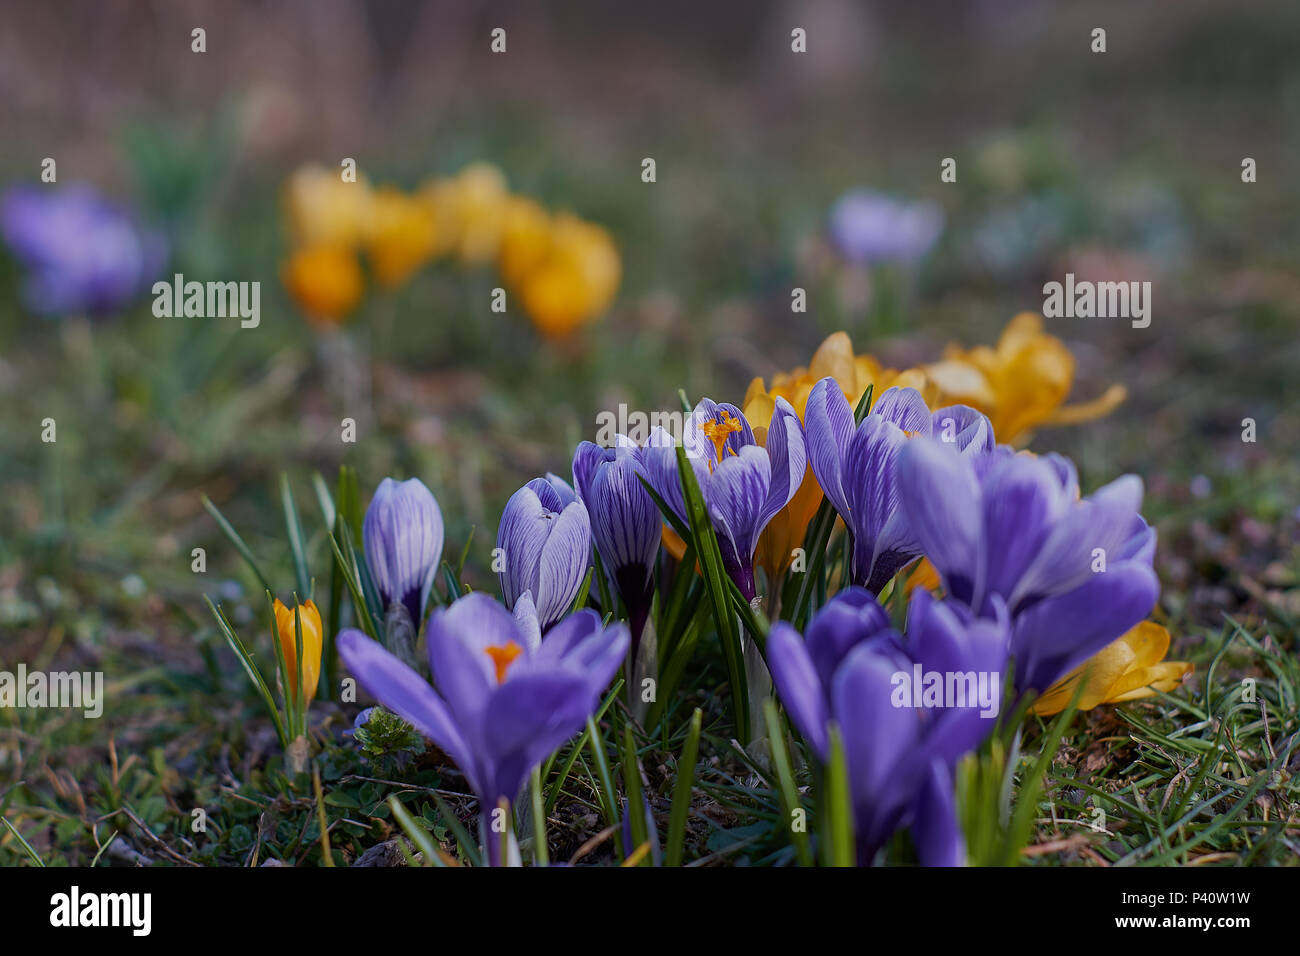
{"type": "Point", "coordinates": [468, 845]}
{"type": "Point", "coordinates": [632, 787]}
{"type": "Point", "coordinates": [705, 541]}
{"type": "Point", "coordinates": [786, 789]}
{"type": "Point", "coordinates": [682, 791]}
{"type": "Point", "coordinates": [580, 599]}
{"type": "Point", "coordinates": [416, 833]}
{"type": "Point", "coordinates": [464, 554]}
{"type": "Point", "coordinates": [608, 801]}
{"type": "Point", "coordinates": [294, 526]}
{"type": "Point", "coordinates": [839, 806]}
{"type": "Point", "coordinates": [236, 540]}
{"type": "Point", "coordinates": [27, 847]}
{"type": "Point", "coordinates": [250, 668]}
{"type": "Point", "coordinates": [541, 852]}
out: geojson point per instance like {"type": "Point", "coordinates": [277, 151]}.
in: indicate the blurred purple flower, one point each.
{"type": "Point", "coordinates": [857, 467]}
{"type": "Point", "coordinates": [502, 698]}
{"type": "Point", "coordinates": [625, 523]}
{"type": "Point", "coordinates": [403, 535]}
{"type": "Point", "coordinates": [545, 543]}
{"type": "Point", "coordinates": [867, 227]}
{"type": "Point", "coordinates": [1074, 574]}
{"type": "Point", "coordinates": [743, 483]}
{"type": "Point", "coordinates": [847, 672]}
{"type": "Point", "coordinates": [81, 252]}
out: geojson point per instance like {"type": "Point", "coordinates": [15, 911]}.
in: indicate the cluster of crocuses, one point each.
{"type": "Point", "coordinates": [1035, 581]}
{"type": "Point", "coordinates": [563, 270]}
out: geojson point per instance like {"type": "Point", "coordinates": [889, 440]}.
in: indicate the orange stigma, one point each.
{"type": "Point", "coordinates": [503, 655]}
{"type": "Point", "coordinates": [717, 431]}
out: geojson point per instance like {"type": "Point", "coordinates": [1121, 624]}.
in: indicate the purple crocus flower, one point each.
{"type": "Point", "coordinates": [867, 227]}
{"type": "Point", "coordinates": [744, 484]}
{"type": "Point", "coordinates": [81, 252]}
{"type": "Point", "coordinates": [625, 523]}
{"type": "Point", "coordinates": [856, 467]}
{"type": "Point", "coordinates": [1074, 574]}
{"type": "Point", "coordinates": [502, 698]}
{"type": "Point", "coordinates": [403, 534]}
{"type": "Point", "coordinates": [544, 540]}
{"type": "Point", "coordinates": [854, 671]}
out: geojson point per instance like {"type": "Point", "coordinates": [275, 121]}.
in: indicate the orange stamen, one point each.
{"type": "Point", "coordinates": [717, 431]}
{"type": "Point", "coordinates": [503, 655]}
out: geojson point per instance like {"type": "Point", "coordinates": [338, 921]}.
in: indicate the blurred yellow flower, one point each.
{"type": "Point", "coordinates": [403, 235]}
{"type": "Point", "coordinates": [469, 211]}
{"type": "Point", "coordinates": [1019, 384]}
{"type": "Point", "coordinates": [325, 281]}
{"type": "Point", "coordinates": [563, 271]}
{"type": "Point", "coordinates": [575, 281]}
{"type": "Point", "coordinates": [525, 239]}
{"type": "Point", "coordinates": [1131, 668]}
{"type": "Point", "coordinates": [312, 640]}
{"type": "Point", "coordinates": [324, 210]}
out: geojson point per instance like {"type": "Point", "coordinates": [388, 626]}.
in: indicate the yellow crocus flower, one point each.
{"type": "Point", "coordinates": [322, 209]}
{"type": "Point", "coordinates": [1131, 668]}
{"type": "Point", "coordinates": [575, 281]}
{"type": "Point", "coordinates": [1019, 384]}
{"type": "Point", "coordinates": [478, 200]}
{"type": "Point", "coordinates": [312, 639]}
{"type": "Point", "coordinates": [325, 281]}
{"type": "Point", "coordinates": [402, 237]}
{"type": "Point", "coordinates": [526, 239]}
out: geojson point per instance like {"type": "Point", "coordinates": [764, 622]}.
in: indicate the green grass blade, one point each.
{"type": "Point", "coordinates": [294, 526]}
{"type": "Point", "coordinates": [27, 847]}
{"type": "Point", "coordinates": [682, 791]}
{"type": "Point", "coordinates": [787, 791]}
{"type": "Point", "coordinates": [237, 541]}
{"type": "Point", "coordinates": [839, 807]}
{"type": "Point", "coordinates": [705, 541]}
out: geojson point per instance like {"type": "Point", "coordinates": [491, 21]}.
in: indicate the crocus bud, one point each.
{"type": "Point", "coordinates": [403, 537]}
{"type": "Point", "coordinates": [545, 545]}
{"type": "Point", "coordinates": [625, 523]}
{"type": "Point", "coordinates": [312, 635]}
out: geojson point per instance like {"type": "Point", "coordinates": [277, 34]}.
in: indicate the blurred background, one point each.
{"type": "Point", "coordinates": [1125, 165]}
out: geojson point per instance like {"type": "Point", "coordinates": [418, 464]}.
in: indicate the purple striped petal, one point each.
{"type": "Point", "coordinates": [403, 537]}
{"type": "Point", "coordinates": [828, 427]}
{"type": "Point", "coordinates": [905, 408]}
{"type": "Point", "coordinates": [788, 457]}
{"type": "Point", "coordinates": [881, 536]}
{"type": "Point", "coordinates": [545, 551]}
{"type": "Point", "coordinates": [964, 428]}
